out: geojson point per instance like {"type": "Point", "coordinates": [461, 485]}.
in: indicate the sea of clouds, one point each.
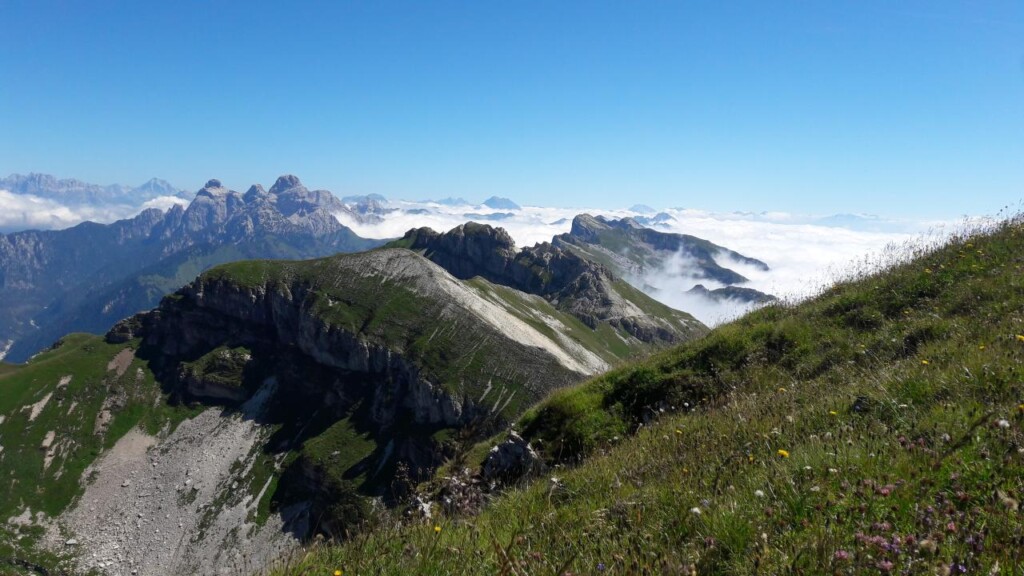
{"type": "Point", "coordinates": [804, 253]}
{"type": "Point", "coordinates": [28, 212]}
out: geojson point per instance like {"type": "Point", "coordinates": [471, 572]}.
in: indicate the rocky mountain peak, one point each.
{"type": "Point", "coordinates": [254, 192]}
{"type": "Point", "coordinates": [286, 182]}
{"type": "Point", "coordinates": [585, 227]}
{"type": "Point", "coordinates": [212, 183]}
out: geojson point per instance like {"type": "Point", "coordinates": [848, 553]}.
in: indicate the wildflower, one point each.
{"type": "Point", "coordinates": [1003, 423]}
{"type": "Point", "coordinates": [781, 389]}
{"type": "Point", "coordinates": [981, 346]}
{"type": "Point", "coordinates": [783, 453]}
{"type": "Point", "coordinates": [437, 529]}
{"type": "Point", "coordinates": [1020, 337]}
{"type": "Point", "coordinates": [678, 431]}
{"type": "Point", "coordinates": [841, 555]}
{"type": "Point", "coordinates": [600, 567]}
{"type": "Point", "coordinates": [759, 493]}
{"type": "Point", "coordinates": [695, 511]}
{"type": "Point", "coordinates": [928, 546]}
{"type": "Point", "coordinates": [833, 413]}
{"type": "Point", "coordinates": [337, 573]}
{"type": "Point", "coordinates": [924, 362]}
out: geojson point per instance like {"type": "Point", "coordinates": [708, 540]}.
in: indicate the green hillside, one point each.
{"type": "Point", "coordinates": [878, 428]}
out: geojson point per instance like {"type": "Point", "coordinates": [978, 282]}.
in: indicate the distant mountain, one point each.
{"type": "Point", "coordinates": [76, 192]}
{"type": "Point", "coordinates": [571, 282]}
{"type": "Point", "coordinates": [737, 293]}
{"type": "Point", "coordinates": [642, 209]}
{"type": "Point", "coordinates": [499, 203]}
{"type": "Point", "coordinates": [87, 277]}
{"type": "Point", "coordinates": [634, 251]}
{"type": "Point", "coordinates": [449, 201]}
{"type": "Point", "coordinates": [659, 218]}
{"type": "Point", "coordinates": [494, 216]}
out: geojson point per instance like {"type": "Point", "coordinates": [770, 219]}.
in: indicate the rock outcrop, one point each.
{"type": "Point", "coordinates": [588, 290]}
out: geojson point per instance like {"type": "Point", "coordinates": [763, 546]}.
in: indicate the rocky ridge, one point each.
{"type": "Point", "coordinates": [581, 286]}
{"type": "Point", "coordinates": [635, 251]}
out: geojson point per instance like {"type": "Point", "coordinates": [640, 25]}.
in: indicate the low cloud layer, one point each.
{"type": "Point", "coordinates": [28, 212]}
{"type": "Point", "coordinates": [804, 253]}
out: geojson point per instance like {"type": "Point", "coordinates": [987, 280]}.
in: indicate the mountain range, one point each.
{"type": "Point", "coordinates": [75, 192]}
{"type": "Point", "coordinates": [87, 277]}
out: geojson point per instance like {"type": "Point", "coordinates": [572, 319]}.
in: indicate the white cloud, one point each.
{"type": "Point", "coordinates": [25, 211]}
{"type": "Point", "coordinates": [163, 202]}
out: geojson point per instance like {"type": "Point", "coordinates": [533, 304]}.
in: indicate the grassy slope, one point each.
{"type": "Point", "coordinates": [875, 429]}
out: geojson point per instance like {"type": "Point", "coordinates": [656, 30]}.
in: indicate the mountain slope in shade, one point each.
{"type": "Point", "coordinates": [89, 276]}
{"type": "Point", "coordinates": [634, 251]}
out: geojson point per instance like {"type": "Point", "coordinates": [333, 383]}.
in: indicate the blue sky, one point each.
{"type": "Point", "coordinates": [911, 109]}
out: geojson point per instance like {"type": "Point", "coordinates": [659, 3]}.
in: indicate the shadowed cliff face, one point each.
{"type": "Point", "coordinates": [581, 286]}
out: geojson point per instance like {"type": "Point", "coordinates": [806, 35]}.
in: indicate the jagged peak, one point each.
{"type": "Point", "coordinates": [212, 183]}
{"type": "Point", "coordinates": [255, 191]}
{"type": "Point", "coordinates": [284, 183]}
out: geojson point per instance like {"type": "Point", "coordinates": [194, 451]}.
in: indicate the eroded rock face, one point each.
{"type": "Point", "coordinates": [265, 319]}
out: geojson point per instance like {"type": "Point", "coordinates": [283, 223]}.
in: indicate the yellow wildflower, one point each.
{"type": "Point", "coordinates": [783, 453]}
{"type": "Point", "coordinates": [337, 573]}
{"type": "Point", "coordinates": [981, 346]}
{"type": "Point", "coordinates": [678, 431]}
{"type": "Point", "coordinates": [833, 412]}
{"type": "Point", "coordinates": [781, 389]}
{"type": "Point", "coordinates": [924, 362]}
{"type": "Point", "coordinates": [1020, 338]}
{"type": "Point", "coordinates": [437, 529]}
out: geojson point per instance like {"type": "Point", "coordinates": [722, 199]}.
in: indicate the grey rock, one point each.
{"type": "Point", "coordinates": [511, 460]}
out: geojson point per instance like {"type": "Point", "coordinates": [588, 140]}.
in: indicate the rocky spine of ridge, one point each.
{"type": "Point", "coordinates": [577, 285]}
{"type": "Point", "coordinates": [590, 230]}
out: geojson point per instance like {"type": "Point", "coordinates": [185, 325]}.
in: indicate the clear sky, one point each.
{"type": "Point", "coordinates": [893, 108]}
